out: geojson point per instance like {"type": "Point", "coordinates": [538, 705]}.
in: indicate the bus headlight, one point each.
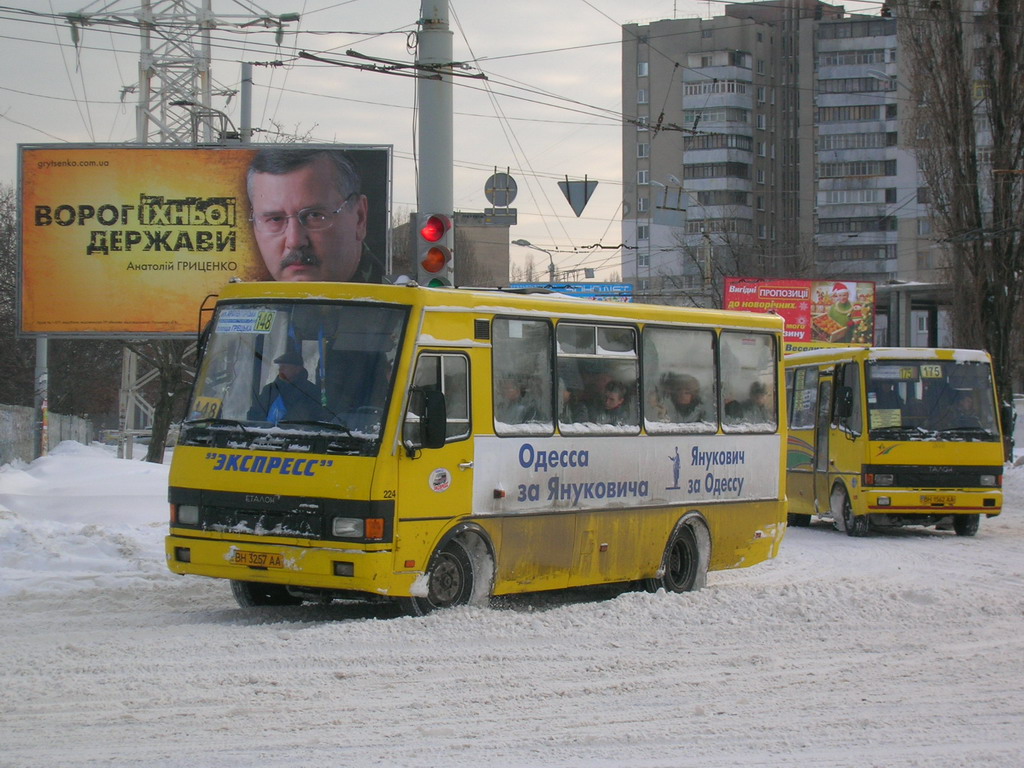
{"type": "Point", "coordinates": [347, 527]}
{"type": "Point", "coordinates": [188, 514]}
{"type": "Point", "coordinates": [874, 478]}
{"type": "Point", "coordinates": [988, 480]}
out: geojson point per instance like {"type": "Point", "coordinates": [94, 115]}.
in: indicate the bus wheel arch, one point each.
{"type": "Point", "coordinates": [460, 572]}
{"type": "Point", "coordinates": [842, 512]}
{"type": "Point", "coordinates": [684, 565]}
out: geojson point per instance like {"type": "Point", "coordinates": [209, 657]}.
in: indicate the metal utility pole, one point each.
{"type": "Point", "coordinates": [175, 107]}
{"type": "Point", "coordinates": [434, 184]}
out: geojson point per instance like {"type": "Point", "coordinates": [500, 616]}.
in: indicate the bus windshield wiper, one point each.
{"type": "Point", "coordinates": [969, 431]}
{"type": "Point", "coordinates": [331, 425]}
{"type": "Point", "coordinates": [212, 422]}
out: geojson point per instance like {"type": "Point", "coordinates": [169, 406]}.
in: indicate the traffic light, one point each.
{"type": "Point", "coordinates": [434, 238]}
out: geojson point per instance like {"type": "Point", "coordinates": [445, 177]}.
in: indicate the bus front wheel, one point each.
{"type": "Point", "coordinates": [965, 525]}
{"type": "Point", "coordinates": [251, 594]}
{"type": "Point", "coordinates": [681, 566]}
{"type": "Point", "coordinates": [854, 525]}
{"type": "Point", "coordinates": [449, 581]}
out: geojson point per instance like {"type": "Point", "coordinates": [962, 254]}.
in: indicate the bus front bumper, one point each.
{"type": "Point", "coordinates": [895, 501]}
{"type": "Point", "coordinates": [341, 569]}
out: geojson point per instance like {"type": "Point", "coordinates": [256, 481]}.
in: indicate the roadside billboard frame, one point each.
{"type": "Point", "coordinates": [125, 241]}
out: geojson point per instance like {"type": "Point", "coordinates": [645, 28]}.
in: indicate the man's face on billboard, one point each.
{"type": "Point", "coordinates": [305, 227]}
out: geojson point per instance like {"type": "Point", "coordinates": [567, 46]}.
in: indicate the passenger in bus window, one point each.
{"type": "Point", "coordinates": [758, 408]}
{"type": "Point", "coordinates": [514, 404]}
{"type": "Point", "coordinates": [290, 396]}
{"type": "Point", "coordinates": [682, 401]}
{"type": "Point", "coordinates": [616, 407]}
{"type": "Point", "coordinates": [570, 409]}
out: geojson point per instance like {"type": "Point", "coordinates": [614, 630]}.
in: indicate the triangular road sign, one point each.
{"type": "Point", "coordinates": [577, 193]}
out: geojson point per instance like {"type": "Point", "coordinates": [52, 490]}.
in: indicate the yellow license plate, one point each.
{"type": "Point", "coordinates": [257, 559]}
{"type": "Point", "coordinates": [938, 500]}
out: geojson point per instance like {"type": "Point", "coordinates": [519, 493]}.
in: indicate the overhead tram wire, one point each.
{"type": "Point", "coordinates": [510, 136]}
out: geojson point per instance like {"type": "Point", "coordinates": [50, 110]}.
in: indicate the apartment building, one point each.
{"type": "Point", "coordinates": [773, 141]}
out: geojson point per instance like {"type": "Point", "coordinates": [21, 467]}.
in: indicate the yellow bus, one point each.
{"type": "Point", "coordinates": [885, 437]}
{"type": "Point", "coordinates": [438, 447]}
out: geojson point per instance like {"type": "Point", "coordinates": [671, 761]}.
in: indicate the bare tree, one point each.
{"type": "Point", "coordinates": [527, 273]}
{"type": "Point", "coordinates": [967, 80]}
{"type": "Point", "coordinates": [17, 358]}
{"type": "Point", "coordinates": [174, 362]}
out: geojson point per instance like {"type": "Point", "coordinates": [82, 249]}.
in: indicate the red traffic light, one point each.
{"type": "Point", "coordinates": [435, 227]}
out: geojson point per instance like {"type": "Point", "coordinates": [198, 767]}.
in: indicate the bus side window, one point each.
{"type": "Point", "coordinates": [679, 381]}
{"type": "Point", "coordinates": [448, 374]}
{"type": "Point", "coordinates": [804, 399]}
{"type": "Point", "coordinates": [848, 379]}
{"type": "Point", "coordinates": [521, 374]}
{"type": "Point", "coordinates": [749, 376]}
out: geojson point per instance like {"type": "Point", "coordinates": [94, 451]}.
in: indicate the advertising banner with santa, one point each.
{"type": "Point", "coordinates": [817, 313]}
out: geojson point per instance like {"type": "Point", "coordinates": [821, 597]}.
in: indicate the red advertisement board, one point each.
{"type": "Point", "coordinates": [817, 313]}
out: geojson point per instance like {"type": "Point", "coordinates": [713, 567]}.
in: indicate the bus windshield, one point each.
{"type": "Point", "coordinates": [930, 400]}
{"type": "Point", "coordinates": [305, 368]}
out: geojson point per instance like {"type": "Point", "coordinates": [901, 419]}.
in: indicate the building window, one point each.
{"type": "Point", "coordinates": [762, 122]}
{"type": "Point", "coordinates": [641, 69]}
{"type": "Point", "coordinates": [642, 122]}
{"type": "Point", "coordinates": [642, 204]}
{"type": "Point", "coordinates": [643, 259]}
{"type": "Point", "coordinates": [643, 232]}
{"type": "Point", "coordinates": [643, 177]}
{"type": "Point", "coordinates": [641, 95]}
{"type": "Point", "coordinates": [643, 149]}
{"type": "Point", "coordinates": [760, 66]}
{"type": "Point", "coordinates": [760, 177]}
{"type": "Point", "coordinates": [706, 33]}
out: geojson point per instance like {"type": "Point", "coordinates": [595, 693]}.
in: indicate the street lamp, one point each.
{"type": "Point", "coordinates": [551, 260]}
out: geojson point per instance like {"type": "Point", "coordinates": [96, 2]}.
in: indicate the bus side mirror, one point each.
{"type": "Point", "coordinates": [431, 428]}
{"type": "Point", "coordinates": [844, 402]}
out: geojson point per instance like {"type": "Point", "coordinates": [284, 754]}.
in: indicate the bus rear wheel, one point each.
{"type": "Point", "coordinates": [449, 581]}
{"type": "Point", "coordinates": [965, 525]}
{"type": "Point", "coordinates": [680, 568]}
{"type": "Point", "coordinates": [252, 594]}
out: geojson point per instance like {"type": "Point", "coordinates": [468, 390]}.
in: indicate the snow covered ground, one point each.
{"type": "Point", "coordinates": [902, 649]}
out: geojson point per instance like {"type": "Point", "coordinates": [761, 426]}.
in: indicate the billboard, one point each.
{"type": "Point", "coordinates": [817, 313]}
{"type": "Point", "coordinates": [622, 292]}
{"type": "Point", "coordinates": [127, 241]}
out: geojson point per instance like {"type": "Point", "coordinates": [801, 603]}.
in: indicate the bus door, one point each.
{"type": "Point", "coordinates": [822, 457]}
{"type": "Point", "coordinates": [435, 470]}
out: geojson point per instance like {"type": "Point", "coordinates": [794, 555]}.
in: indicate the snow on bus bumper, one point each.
{"type": "Point", "coordinates": [932, 502]}
{"type": "Point", "coordinates": [343, 569]}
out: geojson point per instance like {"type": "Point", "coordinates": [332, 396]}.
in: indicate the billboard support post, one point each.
{"type": "Point", "coordinates": [42, 395]}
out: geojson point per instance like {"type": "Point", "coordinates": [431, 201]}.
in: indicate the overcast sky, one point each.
{"type": "Point", "coordinates": [550, 107]}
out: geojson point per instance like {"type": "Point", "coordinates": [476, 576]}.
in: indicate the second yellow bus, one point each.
{"type": "Point", "coordinates": [884, 437]}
